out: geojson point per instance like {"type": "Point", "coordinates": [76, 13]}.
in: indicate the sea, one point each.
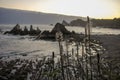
{"type": "Point", "coordinates": [26, 47]}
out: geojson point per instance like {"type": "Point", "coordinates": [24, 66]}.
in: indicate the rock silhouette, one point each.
{"type": "Point", "coordinates": [32, 31]}
{"type": "Point", "coordinates": [78, 22]}
{"type": "Point", "coordinates": [51, 35]}
{"type": "Point", "coordinates": [46, 35]}
{"type": "Point", "coordinates": [15, 31]}
{"type": "Point", "coordinates": [60, 27]}
{"type": "Point", "coordinates": [26, 30]}
{"type": "Point", "coordinates": [18, 31]}
{"type": "Point", "coordinates": [37, 32]}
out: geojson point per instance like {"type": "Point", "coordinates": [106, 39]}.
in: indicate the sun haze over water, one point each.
{"type": "Point", "coordinates": [93, 8]}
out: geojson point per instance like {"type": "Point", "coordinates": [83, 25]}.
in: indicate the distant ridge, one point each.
{"type": "Point", "coordinates": [14, 16]}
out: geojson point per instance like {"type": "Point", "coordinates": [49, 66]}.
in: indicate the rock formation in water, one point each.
{"type": "Point", "coordinates": [51, 35]}
{"type": "Point", "coordinates": [18, 31]}
{"type": "Point", "coordinates": [32, 31]}
{"type": "Point", "coordinates": [78, 22]}
{"type": "Point", "coordinates": [38, 31]}
{"type": "Point", "coordinates": [25, 31]}
{"type": "Point", "coordinates": [15, 31]}
{"type": "Point", "coordinates": [60, 27]}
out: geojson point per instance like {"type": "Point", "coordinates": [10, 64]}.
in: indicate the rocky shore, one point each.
{"type": "Point", "coordinates": [47, 68]}
{"type": "Point", "coordinates": [46, 35]}
{"type": "Point", "coordinates": [80, 63]}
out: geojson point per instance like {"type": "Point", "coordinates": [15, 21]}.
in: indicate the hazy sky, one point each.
{"type": "Point", "coordinates": [92, 8]}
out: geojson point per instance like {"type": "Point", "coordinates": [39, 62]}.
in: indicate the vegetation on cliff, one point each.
{"type": "Point", "coordinates": [105, 23]}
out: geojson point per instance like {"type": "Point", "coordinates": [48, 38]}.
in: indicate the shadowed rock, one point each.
{"type": "Point", "coordinates": [59, 27]}
{"type": "Point", "coordinates": [46, 35]}
{"type": "Point", "coordinates": [25, 31]}
{"type": "Point", "coordinates": [18, 31]}
{"type": "Point", "coordinates": [38, 31]}
{"type": "Point", "coordinates": [15, 31]}
{"type": "Point", "coordinates": [34, 32]}
{"type": "Point", "coordinates": [51, 35]}
{"type": "Point", "coordinates": [78, 22]}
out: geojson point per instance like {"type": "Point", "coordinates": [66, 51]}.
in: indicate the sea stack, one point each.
{"type": "Point", "coordinates": [60, 27]}
{"type": "Point", "coordinates": [51, 35]}
{"type": "Point", "coordinates": [16, 30]}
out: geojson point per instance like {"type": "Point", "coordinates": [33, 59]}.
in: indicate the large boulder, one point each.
{"type": "Point", "coordinates": [78, 22]}
{"type": "Point", "coordinates": [60, 28]}
{"type": "Point", "coordinates": [38, 31]}
{"type": "Point", "coordinates": [16, 30]}
{"type": "Point", "coordinates": [25, 31]}
{"type": "Point", "coordinates": [51, 35]}
{"type": "Point", "coordinates": [46, 35]}
{"type": "Point", "coordinates": [34, 32]}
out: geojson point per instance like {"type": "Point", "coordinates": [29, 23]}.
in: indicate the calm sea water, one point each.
{"type": "Point", "coordinates": [26, 47]}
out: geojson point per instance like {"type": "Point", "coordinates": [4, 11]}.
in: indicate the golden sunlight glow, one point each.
{"type": "Point", "coordinates": [92, 8]}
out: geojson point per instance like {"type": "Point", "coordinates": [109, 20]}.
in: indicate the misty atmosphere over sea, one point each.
{"type": "Point", "coordinates": [17, 46]}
